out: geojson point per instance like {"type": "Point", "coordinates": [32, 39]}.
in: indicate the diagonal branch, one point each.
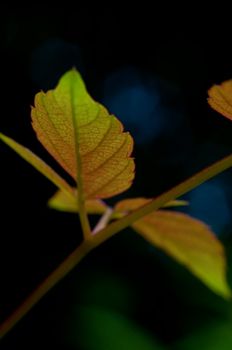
{"type": "Point", "coordinates": [158, 202]}
{"type": "Point", "coordinates": [57, 275]}
{"type": "Point", "coordinates": [74, 258]}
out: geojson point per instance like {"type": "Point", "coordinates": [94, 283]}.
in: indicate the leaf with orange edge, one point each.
{"type": "Point", "coordinates": [220, 98]}
{"type": "Point", "coordinates": [187, 240]}
{"type": "Point", "coordinates": [191, 243]}
{"type": "Point", "coordinates": [84, 138]}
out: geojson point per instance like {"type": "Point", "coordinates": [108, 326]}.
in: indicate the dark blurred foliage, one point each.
{"type": "Point", "coordinates": [151, 68]}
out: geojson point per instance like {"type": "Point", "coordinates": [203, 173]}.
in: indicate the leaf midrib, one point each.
{"type": "Point", "coordinates": [49, 138]}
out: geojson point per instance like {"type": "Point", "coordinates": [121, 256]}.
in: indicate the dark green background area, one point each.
{"type": "Point", "coordinates": [126, 294]}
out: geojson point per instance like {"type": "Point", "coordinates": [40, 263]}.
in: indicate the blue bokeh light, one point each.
{"type": "Point", "coordinates": [138, 99]}
{"type": "Point", "coordinates": [208, 203]}
{"type": "Point", "coordinates": [52, 59]}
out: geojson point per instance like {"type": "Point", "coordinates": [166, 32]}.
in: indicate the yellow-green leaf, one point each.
{"type": "Point", "coordinates": [38, 164]}
{"type": "Point", "coordinates": [84, 138]}
{"type": "Point", "coordinates": [63, 202]}
{"type": "Point", "coordinates": [175, 203]}
{"type": "Point", "coordinates": [190, 242]}
{"type": "Point", "coordinates": [220, 98]}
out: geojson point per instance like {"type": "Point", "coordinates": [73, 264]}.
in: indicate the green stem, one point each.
{"type": "Point", "coordinates": [74, 258]}
{"type": "Point", "coordinates": [81, 198]}
{"type": "Point", "coordinates": [83, 216]}
{"type": "Point", "coordinates": [57, 275]}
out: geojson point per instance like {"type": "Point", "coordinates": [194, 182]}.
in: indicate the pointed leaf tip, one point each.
{"type": "Point", "coordinates": [190, 242]}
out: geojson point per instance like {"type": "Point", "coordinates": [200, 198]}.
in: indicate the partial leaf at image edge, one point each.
{"type": "Point", "coordinates": [220, 98]}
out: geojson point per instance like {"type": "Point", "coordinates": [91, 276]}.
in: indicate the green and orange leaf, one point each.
{"type": "Point", "coordinates": [84, 138]}
{"type": "Point", "coordinates": [190, 242]}
{"type": "Point", "coordinates": [220, 98]}
{"type": "Point", "coordinates": [187, 240]}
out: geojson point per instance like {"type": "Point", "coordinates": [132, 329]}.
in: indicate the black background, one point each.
{"type": "Point", "coordinates": [187, 49]}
